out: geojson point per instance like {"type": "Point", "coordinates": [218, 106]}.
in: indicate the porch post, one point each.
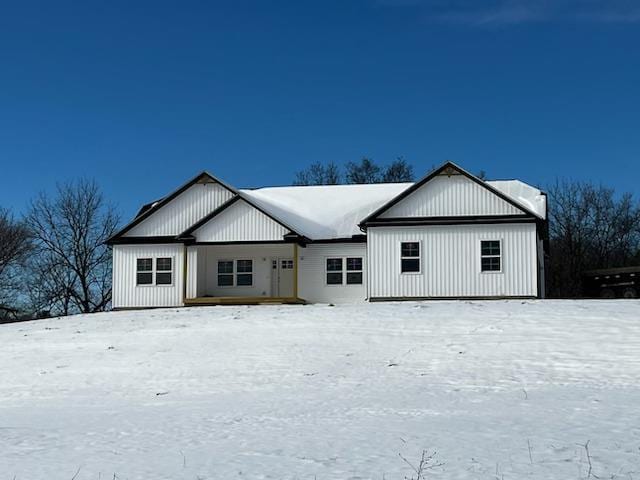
{"type": "Point", "coordinates": [295, 270]}
{"type": "Point", "coordinates": [184, 274]}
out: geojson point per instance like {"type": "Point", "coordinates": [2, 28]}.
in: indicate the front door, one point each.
{"type": "Point", "coordinates": [282, 277]}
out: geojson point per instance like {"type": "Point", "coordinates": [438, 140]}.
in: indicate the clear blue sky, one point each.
{"type": "Point", "coordinates": [143, 95]}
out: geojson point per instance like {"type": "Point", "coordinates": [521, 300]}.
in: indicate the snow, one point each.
{"type": "Point", "coordinates": [324, 211]}
{"type": "Point", "coordinates": [502, 389]}
{"type": "Point", "coordinates": [334, 211]}
{"type": "Point", "coordinates": [524, 194]}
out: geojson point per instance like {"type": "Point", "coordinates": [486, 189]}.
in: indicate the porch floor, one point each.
{"type": "Point", "coordinates": [244, 301]}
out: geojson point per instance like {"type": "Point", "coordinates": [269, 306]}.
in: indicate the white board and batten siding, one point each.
{"type": "Point", "coordinates": [183, 211]}
{"type": "Point", "coordinates": [240, 222]}
{"type": "Point", "coordinates": [126, 294]}
{"type": "Point", "coordinates": [312, 278]}
{"type": "Point", "coordinates": [450, 261]}
{"type": "Point", "coordinates": [445, 196]}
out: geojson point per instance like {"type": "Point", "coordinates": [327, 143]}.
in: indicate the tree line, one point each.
{"type": "Point", "coordinates": [364, 171]}
{"type": "Point", "coordinates": [54, 260]}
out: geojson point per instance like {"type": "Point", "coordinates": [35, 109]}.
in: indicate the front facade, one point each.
{"type": "Point", "coordinates": [449, 235]}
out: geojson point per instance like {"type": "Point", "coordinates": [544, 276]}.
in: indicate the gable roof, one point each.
{"type": "Point", "coordinates": [332, 212]}
{"type": "Point", "coordinates": [149, 209]}
{"type": "Point", "coordinates": [452, 167]}
{"type": "Point", "coordinates": [238, 197]}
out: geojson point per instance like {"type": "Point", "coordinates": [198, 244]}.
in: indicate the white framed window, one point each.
{"type": "Point", "coordinates": [164, 271]}
{"type": "Point", "coordinates": [343, 271]}
{"type": "Point", "coordinates": [244, 273]}
{"type": "Point", "coordinates": [490, 256]}
{"type": "Point", "coordinates": [237, 273]}
{"type": "Point", "coordinates": [225, 273]}
{"type": "Point", "coordinates": [144, 271]}
{"type": "Point", "coordinates": [154, 271]}
{"type": "Point", "coordinates": [354, 271]}
{"type": "Point", "coordinates": [410, 259]}
{"type": "Point", "coordinates": [334, 272]}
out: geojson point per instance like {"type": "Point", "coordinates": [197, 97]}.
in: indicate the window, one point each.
{"type": "Point", "coordinates": [490, 256]}
{"type": "Point", "coordinates": [410, 257]}
{"type": "Point", "coordinates": [225, 273]}
{"type": "Point", "coordinates": [286, 265]}
{"type": "Point", "coordinates": [337, 274]}
{"type": "Point", "coordinates": [354, 270]}
{"type": "Point", "coordinates": [163, 271]}
{"type": "Point", "coordinates": [144, 271]}
{"type": "Point", "coordinates": [244, 270]}
{"type": "Point", "coordinates": [334, 271]}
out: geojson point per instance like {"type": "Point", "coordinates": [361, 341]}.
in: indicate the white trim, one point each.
{"type": "Point", "coordinates": [154, 271]}
{"type": "Point", "coordinates": [344, 271]}
{"type": "Point", "coordinates": [481, 256]}
{"type": "Point", "coordinates": [234, 273]}
{"type": "Point", "coordinates": [419, 257]}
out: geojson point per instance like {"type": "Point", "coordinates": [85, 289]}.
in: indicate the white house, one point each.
{"type": "Point", "coordinates": [449, 235]}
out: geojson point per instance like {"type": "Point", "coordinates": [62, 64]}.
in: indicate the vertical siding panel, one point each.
{"type": "Point", "coordinates": [125, 291]}
{"type": "Point", "coordinates": [451, 196]}
{"type": "Point", "coordinates": [183, 211]}
{"type": "Point", "coordinates": [451, 261]}
{"type": "Point", "coordinates": [240, 222]}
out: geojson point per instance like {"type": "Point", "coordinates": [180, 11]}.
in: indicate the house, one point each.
{"type": "Point", "coordinates": [449, 235]}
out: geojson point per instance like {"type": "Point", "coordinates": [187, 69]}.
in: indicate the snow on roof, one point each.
{"type": "Point", "coordinates": [526, 195]}
{"type": "Point", "coordinates": [324, 211]}
{"type": "Point", "coordinates": [334, 211]}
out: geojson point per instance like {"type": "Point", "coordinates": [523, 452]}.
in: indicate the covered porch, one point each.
{"type": "Point", "coordinates": [241, 274]}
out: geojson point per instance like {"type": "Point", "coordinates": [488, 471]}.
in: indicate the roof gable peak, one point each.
{"type": "Point", "coordinates": [448, 169]}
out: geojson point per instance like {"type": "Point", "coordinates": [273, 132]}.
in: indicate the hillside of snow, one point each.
{"type": "Point", "coordinates": [499, 390]}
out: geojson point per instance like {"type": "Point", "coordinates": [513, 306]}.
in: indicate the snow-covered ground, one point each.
{"type": "Point", "coordinates": [503, 389]}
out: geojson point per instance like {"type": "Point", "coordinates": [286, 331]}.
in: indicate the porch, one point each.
{"type": "Point", "coordinates": [211, 301]}
{"type": "Point", "coordinates": [241, 274]}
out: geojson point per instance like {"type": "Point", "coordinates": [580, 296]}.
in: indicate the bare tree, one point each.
{"type": "Point", "coordinates": [589, 227]}
{"type": "Point", "coordinates": [319, 174]}
{"type": "Point", "coordinates": [72, 265]}
{"type": "Point", "coordinates": [15, 246]}
{"type": "Point", "coordinates": [398, 171]}
{"type": "Point", "coordinates": [366, 171]}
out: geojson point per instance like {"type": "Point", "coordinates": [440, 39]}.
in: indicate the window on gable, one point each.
{"type": "Point", "coordinates": [144, 271]}
{"type": "Point", "coordinates": [410, 257]}
{"type": "Point", "coordinates": [164, 271]}
{"type": "Point", "coordinates": [225, 273]}
{"type": "Point", "coordinates": [490, 256]}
